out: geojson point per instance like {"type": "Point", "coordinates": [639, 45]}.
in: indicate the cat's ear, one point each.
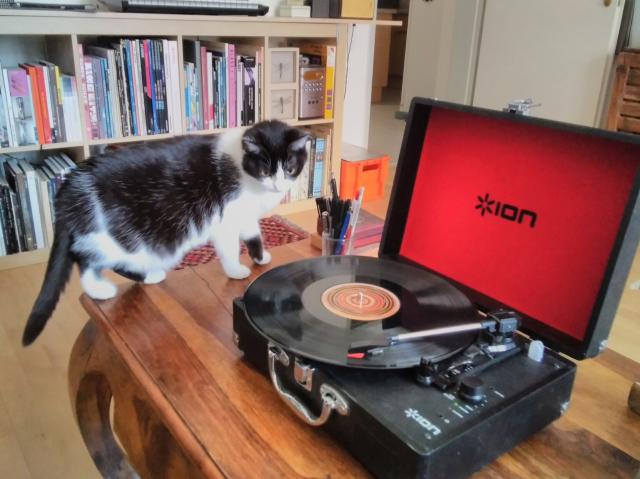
{"type": "Point", "coordinates": [298, 139]}
{"type": "Point", "coordinates": [250, 145]}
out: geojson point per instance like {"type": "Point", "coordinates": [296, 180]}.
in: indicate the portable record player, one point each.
{"type": "Point", "coordinates": [506, 247]}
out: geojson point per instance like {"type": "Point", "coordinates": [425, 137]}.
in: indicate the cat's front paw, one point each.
{"type": "Point", "coordinates": [155, 277]}
{"type": "Point", "coordinates": [266, 258]}
{"type": "Point", "coordinates": [237, 271]}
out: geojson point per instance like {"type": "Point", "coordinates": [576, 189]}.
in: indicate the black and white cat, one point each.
{"type": "Point", "coordinates": [138, 210]}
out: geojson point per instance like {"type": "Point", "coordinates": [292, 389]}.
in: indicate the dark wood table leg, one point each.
{"type": "Point", "coordinates": [91, 395]}
{"type": "Point", "coordinates": [98, 379]}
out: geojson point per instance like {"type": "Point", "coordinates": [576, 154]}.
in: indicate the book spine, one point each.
{"type": "Point", "coordinates": [168, 84]}
{"type": "Point", "coordinates": [93, 125]}
{"type": "Point", "coordinates": [138, 93]}
{"type": "Point", "coordinates": [85, 94]}
{"type": "Point", "coordinates": [18, 222]}
{"type": "Point", "coordinates": [8, 222]}
{"type": "Point", "coordinates": [318, 172]}
{"type": "Point", "coordinates": [155, 85]}
{"type": "Point", "coordinates": [231, 61]}
{"type": "Point", "coordinates": [198, 84]}
{"type": "Point", "coordinates": [6, 135]}
{"type": "Point", "coordinates": [103, 64]}
{"type": "Point", "coordinates": [160, 88]}
{"type": "Point", "coordinates": [210, 89]}
{"type": "Point", "coordinates": [11, 125]}
{"type": "Point", "coordinates": [59, 103]}
{"type": "Point", "coordinates": [175, 88]}
{"type": "Point", "coordinates": [114, 95]}
{"type": "Point", "coordinates": [34, 209]}
{"type": "Point", "coordinates": [128, 72]}
{"type": "Point", "coordinates": [42, 99]}
{"type": "Point", "coordinates": [311, 161]}
{"type": "Point", "coordinates": [50, 109]}
{"type": "Point", "coordinates": [23, 208]}
{"type": "Point", "coordinates": [96, 67]}
{"type": "Point", "coordinates": [204, 81]}
{"type": "Point", "coordinates": [33, 91]}
{"type": "Point", "coordinates": [123, 91]}
{"type": "Point", "coordinates": [239, 91]}
{"type": "Point", "coordinates": [146, 86]}
{"type": "Point", "coordinates": [329, 82]}
{"type": "Point", "coordinates": [67, 104]}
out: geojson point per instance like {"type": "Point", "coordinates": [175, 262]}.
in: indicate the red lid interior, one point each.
{"type": "Point", "coordinates": [553, 205]}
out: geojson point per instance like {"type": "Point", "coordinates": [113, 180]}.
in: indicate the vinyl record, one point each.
{"type": "Point", "coordinates": [318, 308]}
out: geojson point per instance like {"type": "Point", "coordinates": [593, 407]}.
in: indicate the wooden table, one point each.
{"type": "Point", "coordinates": [186, 405]}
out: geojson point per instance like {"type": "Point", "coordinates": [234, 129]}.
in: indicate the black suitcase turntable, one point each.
{"type": "Point", "coordinates": [507, 242]}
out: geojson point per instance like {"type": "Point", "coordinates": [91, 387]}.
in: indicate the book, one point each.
{"type": "Point", "coordinates": [45, 207]}
{"type": "Point", "coordinates": [6, 135]}
{"type": "Point", "coordinates": [23, 124]}
{"type": "Point", "coordinates": [85, 94]}
{"type": "Point", "coordinates": [127, 62]}
{"type": "Point", "coordinates": [18, 182]}
{"type": "Point", "coordinates": [33, 203]}
{"type": "Point", "coordinates": [71, 109]}
{"type": "Point", "coordinates": [11, 237]}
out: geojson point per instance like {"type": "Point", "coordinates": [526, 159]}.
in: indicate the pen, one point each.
{"type": "Point", "coordinates": [343, 233]}
{"type": "Point", "coordinates": [326, 225]}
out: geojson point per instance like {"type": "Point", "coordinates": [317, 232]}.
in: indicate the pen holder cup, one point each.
{"type": "Point", "coordinates": [338, 247]}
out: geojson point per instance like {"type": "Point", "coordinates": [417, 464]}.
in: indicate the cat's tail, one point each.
{"type": "Point", "coordinates": [55, 279]}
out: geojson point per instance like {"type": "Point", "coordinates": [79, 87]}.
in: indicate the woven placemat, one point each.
{"type": "Point", "coordinates": [276, 231]}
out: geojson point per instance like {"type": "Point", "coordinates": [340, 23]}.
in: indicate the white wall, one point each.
{"type": "Point", "coordinates": [442, 43]}
{"type": "Point", "coordinates": [357, 102]}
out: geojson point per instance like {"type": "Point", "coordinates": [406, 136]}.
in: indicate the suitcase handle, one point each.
{"type": "Point", "coordinates": [331, 399]}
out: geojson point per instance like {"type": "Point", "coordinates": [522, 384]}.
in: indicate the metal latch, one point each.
{"type": "Point", "coordinates": [303, 374]}
{"type": "Point", "coordinates": [521, 107]}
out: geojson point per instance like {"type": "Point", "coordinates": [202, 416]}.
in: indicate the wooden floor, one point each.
{"type": "Point", "coordinates": [38, 437]}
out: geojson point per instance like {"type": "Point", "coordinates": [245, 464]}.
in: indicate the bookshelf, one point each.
{"type": "Point", "coordinates": [55, 36]}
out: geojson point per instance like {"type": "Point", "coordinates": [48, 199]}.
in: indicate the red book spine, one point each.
{"type": "Point", "coordinates": [43, 105]}
{"type": "Point", "coordinates": [147, 67]}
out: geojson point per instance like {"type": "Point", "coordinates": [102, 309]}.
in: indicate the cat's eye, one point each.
{"type": "Point", "coordinates": [291, 170]}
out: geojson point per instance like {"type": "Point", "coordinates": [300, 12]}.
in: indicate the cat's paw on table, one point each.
{"type": "Point", "coordinates": [238, 271]}
{"type": "Point", "coordinates": [266, 258]}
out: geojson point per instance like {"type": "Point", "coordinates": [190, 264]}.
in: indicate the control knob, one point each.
{"type": "Point", "coordinates": [471, 389]}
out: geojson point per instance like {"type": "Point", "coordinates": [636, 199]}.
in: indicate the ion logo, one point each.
{"type": "Point", "coordinates": [488, 206]}
{"type": "Point", "coordinates": [423, 421]}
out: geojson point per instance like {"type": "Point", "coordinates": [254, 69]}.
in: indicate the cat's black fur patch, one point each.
{"type": "Point", "coordinates": [154, 194]}
{"type": "Point", "coordinates": [254, 247]}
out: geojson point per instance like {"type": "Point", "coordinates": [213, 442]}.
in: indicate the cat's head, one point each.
{"type": "Point", "coordinates": [274, 154]}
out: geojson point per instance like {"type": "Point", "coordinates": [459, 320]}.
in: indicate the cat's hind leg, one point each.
{"type": "Point", "coordinates": [252, 237]}
{"type": "Point", "coordinates": [95, 285]}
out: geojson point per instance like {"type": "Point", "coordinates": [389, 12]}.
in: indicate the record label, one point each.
{"type": "Point", "coordinates": [360, 301]}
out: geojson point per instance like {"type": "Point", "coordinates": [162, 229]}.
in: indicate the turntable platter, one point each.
{"type": "Point", "coordinates": [316, 308]}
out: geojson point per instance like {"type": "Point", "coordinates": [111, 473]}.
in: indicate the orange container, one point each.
{"type": "Point", "coordinates": [361, 168]}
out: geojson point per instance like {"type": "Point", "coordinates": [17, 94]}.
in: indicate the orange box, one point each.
{"type": "Point", "coordinates": [359, 168]}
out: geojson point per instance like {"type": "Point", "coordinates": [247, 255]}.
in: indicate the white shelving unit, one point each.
{"type": "Point", "coordinates": [32, 35]}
